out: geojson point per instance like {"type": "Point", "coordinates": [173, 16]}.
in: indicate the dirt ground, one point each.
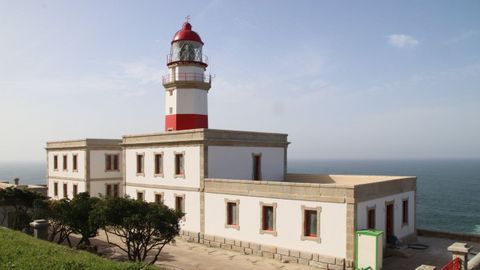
{"type": "Point", "coordinates": [191, 256]}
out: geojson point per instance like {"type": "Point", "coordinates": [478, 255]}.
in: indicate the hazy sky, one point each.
{"type": "Point", "coordinates": [345, 79]}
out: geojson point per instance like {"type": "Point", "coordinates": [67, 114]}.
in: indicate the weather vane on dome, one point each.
{"type": "Point", "coordinates": [187, 18]}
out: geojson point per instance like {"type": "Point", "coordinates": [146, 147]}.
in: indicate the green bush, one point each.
{"type": "Point", "coordinates": [20, 251]}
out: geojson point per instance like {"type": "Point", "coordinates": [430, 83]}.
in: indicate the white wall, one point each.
{"type": "Point", "coordinates": [186, 101]}
{"type": "Point", "coordinates": [80, 173]}
{"type": "Point", "coordinates": [192, 204]}
{"type": "Point", "coordinates": [80, 183]}
{"type": "Point", "coordinates": [66, 176]}
{"type": "Point", "coordinates": [399, 230]}
{"type": "Point", "coordinates": [191, 161]}
{"type": "Point", "coordinates": [97, 164]}
{"type": "Point", "coordinates": [99, 187]}
{"type": "Point", "coordinates": [288, 221]}
{"type": "Point", "coordinates": [235, 162]}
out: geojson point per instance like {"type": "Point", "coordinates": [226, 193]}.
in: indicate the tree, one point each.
{"type": "Point", "coordinates": [80, 219]}
{"type": "Point", "coordinates": [58, 214]}
{"type": "Point", "coordinates": [20, 203]}
{"type": "Point", "coordinates": [142, 227]}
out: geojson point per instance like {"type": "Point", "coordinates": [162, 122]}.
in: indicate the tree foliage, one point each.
{"type": "Point", "coordinates": [142, 227]}
{"type": "Point", "coordinates": [80, 217]}
{"type": "Point", "coordinates": [58, 214]}
{"type": "Point", "coordinates": [20, 203]}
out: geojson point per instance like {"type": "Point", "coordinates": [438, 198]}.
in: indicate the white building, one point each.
{"type": "Point", "coordinates": [233, 186]}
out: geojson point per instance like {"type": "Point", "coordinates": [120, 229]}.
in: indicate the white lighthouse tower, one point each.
{"type": "Point", "coordinates": [186, 85]}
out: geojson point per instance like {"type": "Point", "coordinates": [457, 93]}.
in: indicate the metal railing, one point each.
{"type": "Point", "coordinates": [187, 77]}
{"type": "Point", "coordinates": [172, 58]}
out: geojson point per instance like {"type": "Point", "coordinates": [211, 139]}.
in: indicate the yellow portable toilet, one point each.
{"type": "Point", "coordinates": [368, 250]}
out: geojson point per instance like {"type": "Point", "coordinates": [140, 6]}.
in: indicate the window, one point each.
{"type": "Point", "coordinates": [108, 190]}
{"type": "Point", "coordinates": [115, 162]}
{"type": "Point", "coordinates": [65, 162]}
{"type": "Point", "coordinates": [111, 162]}
{"type": "Point", "coordinates": [55, 189]}
{"type": "Point", "coordinates": [268, 218]}
{"type": "Point", "coordinates": [115, 190]}
{"type": "Point", "coordinates": [170, 110]}
{"type": "Point", "coordinates": [158, 164]}
{"type": "Point", "coordinates": [311, 223]}
{"type": "Point", "coordinates": [180, 204]}
{"type": "Point", "coordinates": [232, 214]}
{"type": "Point", "coordinates": [257, 167]}
{"type": "Point", "coordinates": [65, 190]}
{"type": "Point", "coordinates": [158, 198]}
{"type": "Point", "coordinates": [267, 224]}
{"type": "Point", "coordinates": [139, 164]}
{"type": "Point", "coordinates": [371, 218]}
{"type": "Point", "coordinates": [55, 162]}
{"type": "Point", "coordinates": [179, 164]}
{"type": "Point", "coordinates": [75, 190]}
{"type": "Point", "coordinates": [75, 163]}
{"type": "Point", "coordinates": [405, 212]}
{"type": "Point", "coordinates": [140, 195]}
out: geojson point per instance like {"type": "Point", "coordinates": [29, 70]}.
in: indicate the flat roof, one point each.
{"type": "Point", "coordinates": [210, 136]}
{"type": "Point", "coordinates": [324, 188]}
{"type": "Point", "coordinates": [84, 143]}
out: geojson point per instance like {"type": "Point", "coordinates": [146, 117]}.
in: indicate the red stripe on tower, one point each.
{"type": "Point", "coordinates": [185, 121]}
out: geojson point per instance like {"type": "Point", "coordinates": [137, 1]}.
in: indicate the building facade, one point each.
{"type": "Point", "coordinates": [89, 165]}
{"type": "Point", "coordinates": [233, 186]}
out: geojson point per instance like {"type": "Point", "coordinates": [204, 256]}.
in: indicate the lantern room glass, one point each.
{"type": "Point", "coordinates": [186, 51]}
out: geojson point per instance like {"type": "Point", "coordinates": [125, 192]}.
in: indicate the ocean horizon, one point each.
{"type": "Point", "coordinates": [447, 189]}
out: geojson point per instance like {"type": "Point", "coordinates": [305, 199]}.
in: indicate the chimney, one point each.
{"type": "Point", "coordinates": [16, 180]}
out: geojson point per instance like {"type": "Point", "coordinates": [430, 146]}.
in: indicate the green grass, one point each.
{"type": "Point", "coordinates": [21, 251]}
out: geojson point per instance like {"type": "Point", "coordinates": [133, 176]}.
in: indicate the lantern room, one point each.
{"type": "Point", "coordinates": [186, 47]}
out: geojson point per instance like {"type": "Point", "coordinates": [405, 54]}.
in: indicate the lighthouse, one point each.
{"type": "Point", "coordinates": [186, 85]}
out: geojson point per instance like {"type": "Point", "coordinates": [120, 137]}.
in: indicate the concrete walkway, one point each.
{"type": "Point", "coordinates": [192, 256]}
{"type": "Point", "coordinates": [436, 254]}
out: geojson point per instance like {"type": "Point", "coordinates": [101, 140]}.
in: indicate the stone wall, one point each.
{"type": "Point", "coordinates": [272, 252]}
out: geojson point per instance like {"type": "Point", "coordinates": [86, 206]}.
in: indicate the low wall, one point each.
{"type": "Point", "coordinates": [470, 237]}
{"type": "Point", "coordinates": [272, 252]}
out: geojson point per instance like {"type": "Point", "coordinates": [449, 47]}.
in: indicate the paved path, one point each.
{"type": "Point", "coordinates": [436, 254]}
{"type": "Point", "coordinates": [191, 256]}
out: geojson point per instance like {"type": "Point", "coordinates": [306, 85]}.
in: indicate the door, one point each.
{"type": "Point", "coordinates": [389, 222]}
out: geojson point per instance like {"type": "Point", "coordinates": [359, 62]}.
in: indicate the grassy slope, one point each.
{"type": "Point", "coordinates": [20, 251]}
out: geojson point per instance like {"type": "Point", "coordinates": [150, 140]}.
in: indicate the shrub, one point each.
{"type": "Point", "coordinates": [141, 226]}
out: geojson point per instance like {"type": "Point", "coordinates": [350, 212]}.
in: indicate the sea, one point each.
{"type": "Point", "coordinates": [448, 191]}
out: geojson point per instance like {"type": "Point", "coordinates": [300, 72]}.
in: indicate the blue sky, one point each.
{"type": "Point", "coordinates": [345, 79]}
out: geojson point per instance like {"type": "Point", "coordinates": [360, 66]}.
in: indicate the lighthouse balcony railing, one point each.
{"type": "Point", "coordinates": [192, 57]}
{"type": "Point", "coordinates": [187, 77]}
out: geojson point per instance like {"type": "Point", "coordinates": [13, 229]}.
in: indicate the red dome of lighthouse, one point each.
{"type": "Point", "coordinates": [186, 33]}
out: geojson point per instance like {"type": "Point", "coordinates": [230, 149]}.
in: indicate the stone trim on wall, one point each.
{"type": "Point", "coordinates": [155, 153]}
{"type": "Point", "coordinates": [175, 196]}
{"type": "Point", "coordinates": [175, 175]}
{"type": "Point", "coordinates": [237, 214]}
{"type": "Point", "coordinates": [279, 190]}
{"type": "Point", "coordinates": [143, 164]}
{"type": "Point", "coordinates": [128, 184]}
{"type": "Point", "coordinates": [66, 178]}
{"type": "Point", "coordinates": [273, 252]}
{"type": "Point", "coordinates": [317, 238]}
{"type": "Point", "coordinates": [274, 225]}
